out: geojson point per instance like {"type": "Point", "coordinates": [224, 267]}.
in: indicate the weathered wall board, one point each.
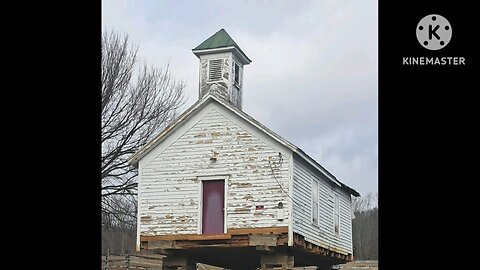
{"type": "Point", "coordinates": [170, 187]}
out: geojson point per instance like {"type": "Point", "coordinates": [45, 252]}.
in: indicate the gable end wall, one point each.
{"type": "Point", "coordinates": [169, 189]}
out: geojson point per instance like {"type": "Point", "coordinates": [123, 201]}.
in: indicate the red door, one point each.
{"type": "Point", "coordinates": [213, 203]}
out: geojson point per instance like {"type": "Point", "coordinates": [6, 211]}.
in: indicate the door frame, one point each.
{"type": "Point", "coordinates": [223, 177]}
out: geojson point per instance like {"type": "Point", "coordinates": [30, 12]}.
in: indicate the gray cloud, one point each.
{"type": "Point", "coordinates": [313, 78]}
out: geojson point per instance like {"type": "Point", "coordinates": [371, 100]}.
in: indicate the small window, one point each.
{"type": "Point", "coordinates": [336, 215]}
{"type": "Point", "coordinates": [237, 74]}
{"type": "Point", "coordinates": [315, 202]}
{"type": "Point", "coordinates": [215, 69]}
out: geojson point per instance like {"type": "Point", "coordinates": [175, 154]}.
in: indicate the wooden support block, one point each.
{"type": "Point", "coordinates": [283, 262]}
{"type": "Point", "coordinates": [177, 263]}
{"type": "Point", "coordinates": [350, 257]}
{"type": "Point", "coordinates": [161, 244]}
{"type": "Point", "coordinates": [273, 259]}
{"type": "Point", "coordinates": [265, 248]}
{"type": "Point", "coordinates": [202, 266]}
{"type": "Point", "coordinates": [263, 240]}
{"type": "Point", "coordinates": [290, 262]}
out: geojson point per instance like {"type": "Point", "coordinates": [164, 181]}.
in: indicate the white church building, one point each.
{"type": "Point", "coordinates": [216, 186]}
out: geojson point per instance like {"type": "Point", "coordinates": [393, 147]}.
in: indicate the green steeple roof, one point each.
{"type": "Point", "coordinates": [220, 39]}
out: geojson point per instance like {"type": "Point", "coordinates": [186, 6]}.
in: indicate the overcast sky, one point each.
{"type": "Point", "coordinates": [313, 76]}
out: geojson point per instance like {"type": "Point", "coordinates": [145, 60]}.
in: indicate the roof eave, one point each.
{"type": "Point", "coordinates": [352, 191]}
{"type": "Point", "coordinates": [324, 171]}
{"type": "Point", "coordinates": [244, 58]}
{"type": "Point", "coordinates": [317, 166]}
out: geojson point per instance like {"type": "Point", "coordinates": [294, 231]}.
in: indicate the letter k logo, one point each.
{"type": "Point", "coordinates": [434, 32]}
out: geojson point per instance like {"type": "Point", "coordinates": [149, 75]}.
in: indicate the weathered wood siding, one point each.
{"type": "Point", "coordinates": [323, 234]}
{"type": "Point", "coordinates": [221, 87]}
{"type": "Point", "coordinates": [169, 190]}
{"type": "Point", "coordinates": [236, 94]}
{"type": "Point", "coordinates": [225, 87]}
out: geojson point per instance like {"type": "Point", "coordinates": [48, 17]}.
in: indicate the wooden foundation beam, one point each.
{"type": "Point", "coordinates": [228, 235]}
{"type": "Point", "coordinates": [299, 241]}
{"type": "Point", "coordinates": [268, 237]}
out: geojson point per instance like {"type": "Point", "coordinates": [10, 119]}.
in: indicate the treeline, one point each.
{"type": "Point", "coordinates": [365, 228]}
{"type": "Point", "coordinates": [118, 240]}
{"type": "Point", "coordinates": [119, 225]}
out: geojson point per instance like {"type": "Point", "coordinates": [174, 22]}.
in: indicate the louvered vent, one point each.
{"type": "Point", "coordinates": [237, 74]}
{"type": "Point", "coordinates": [215, 70]}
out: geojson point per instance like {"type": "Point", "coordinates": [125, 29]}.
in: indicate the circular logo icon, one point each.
{"type": "Point", "coordinates": [434, 32]}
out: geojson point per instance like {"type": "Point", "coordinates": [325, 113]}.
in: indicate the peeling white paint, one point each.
{"type": "Point", "coordinates": [169, 195]}
{"type": "Point", "coordinates": [224, 88]}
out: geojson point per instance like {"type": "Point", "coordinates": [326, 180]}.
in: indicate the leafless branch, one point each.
{"type": "Point", "coordinates": [138, 101]}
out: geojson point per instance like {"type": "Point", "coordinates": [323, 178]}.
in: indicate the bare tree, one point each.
{"type": "Point", "coordinates": [362, 204]}
{"type": "Point", "coordinates": [365, 227]}
{"type": "Point", "coordinates": [119, 225]}
{"type": "Point", "coordinates": [137, 102]}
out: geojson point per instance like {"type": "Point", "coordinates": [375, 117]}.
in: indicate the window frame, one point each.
{"type": "Point", "coordinates": [236, 74]}
{"type": "Point", "coordinates": [336, 214]}
{"type": "Point", "coordinates": [315, 217]}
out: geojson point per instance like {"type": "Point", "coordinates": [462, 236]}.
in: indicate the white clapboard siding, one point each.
{"type": "Point", "coordinates": [323, 233]}
{"type": "Point", "coordinates": [169, 190]}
